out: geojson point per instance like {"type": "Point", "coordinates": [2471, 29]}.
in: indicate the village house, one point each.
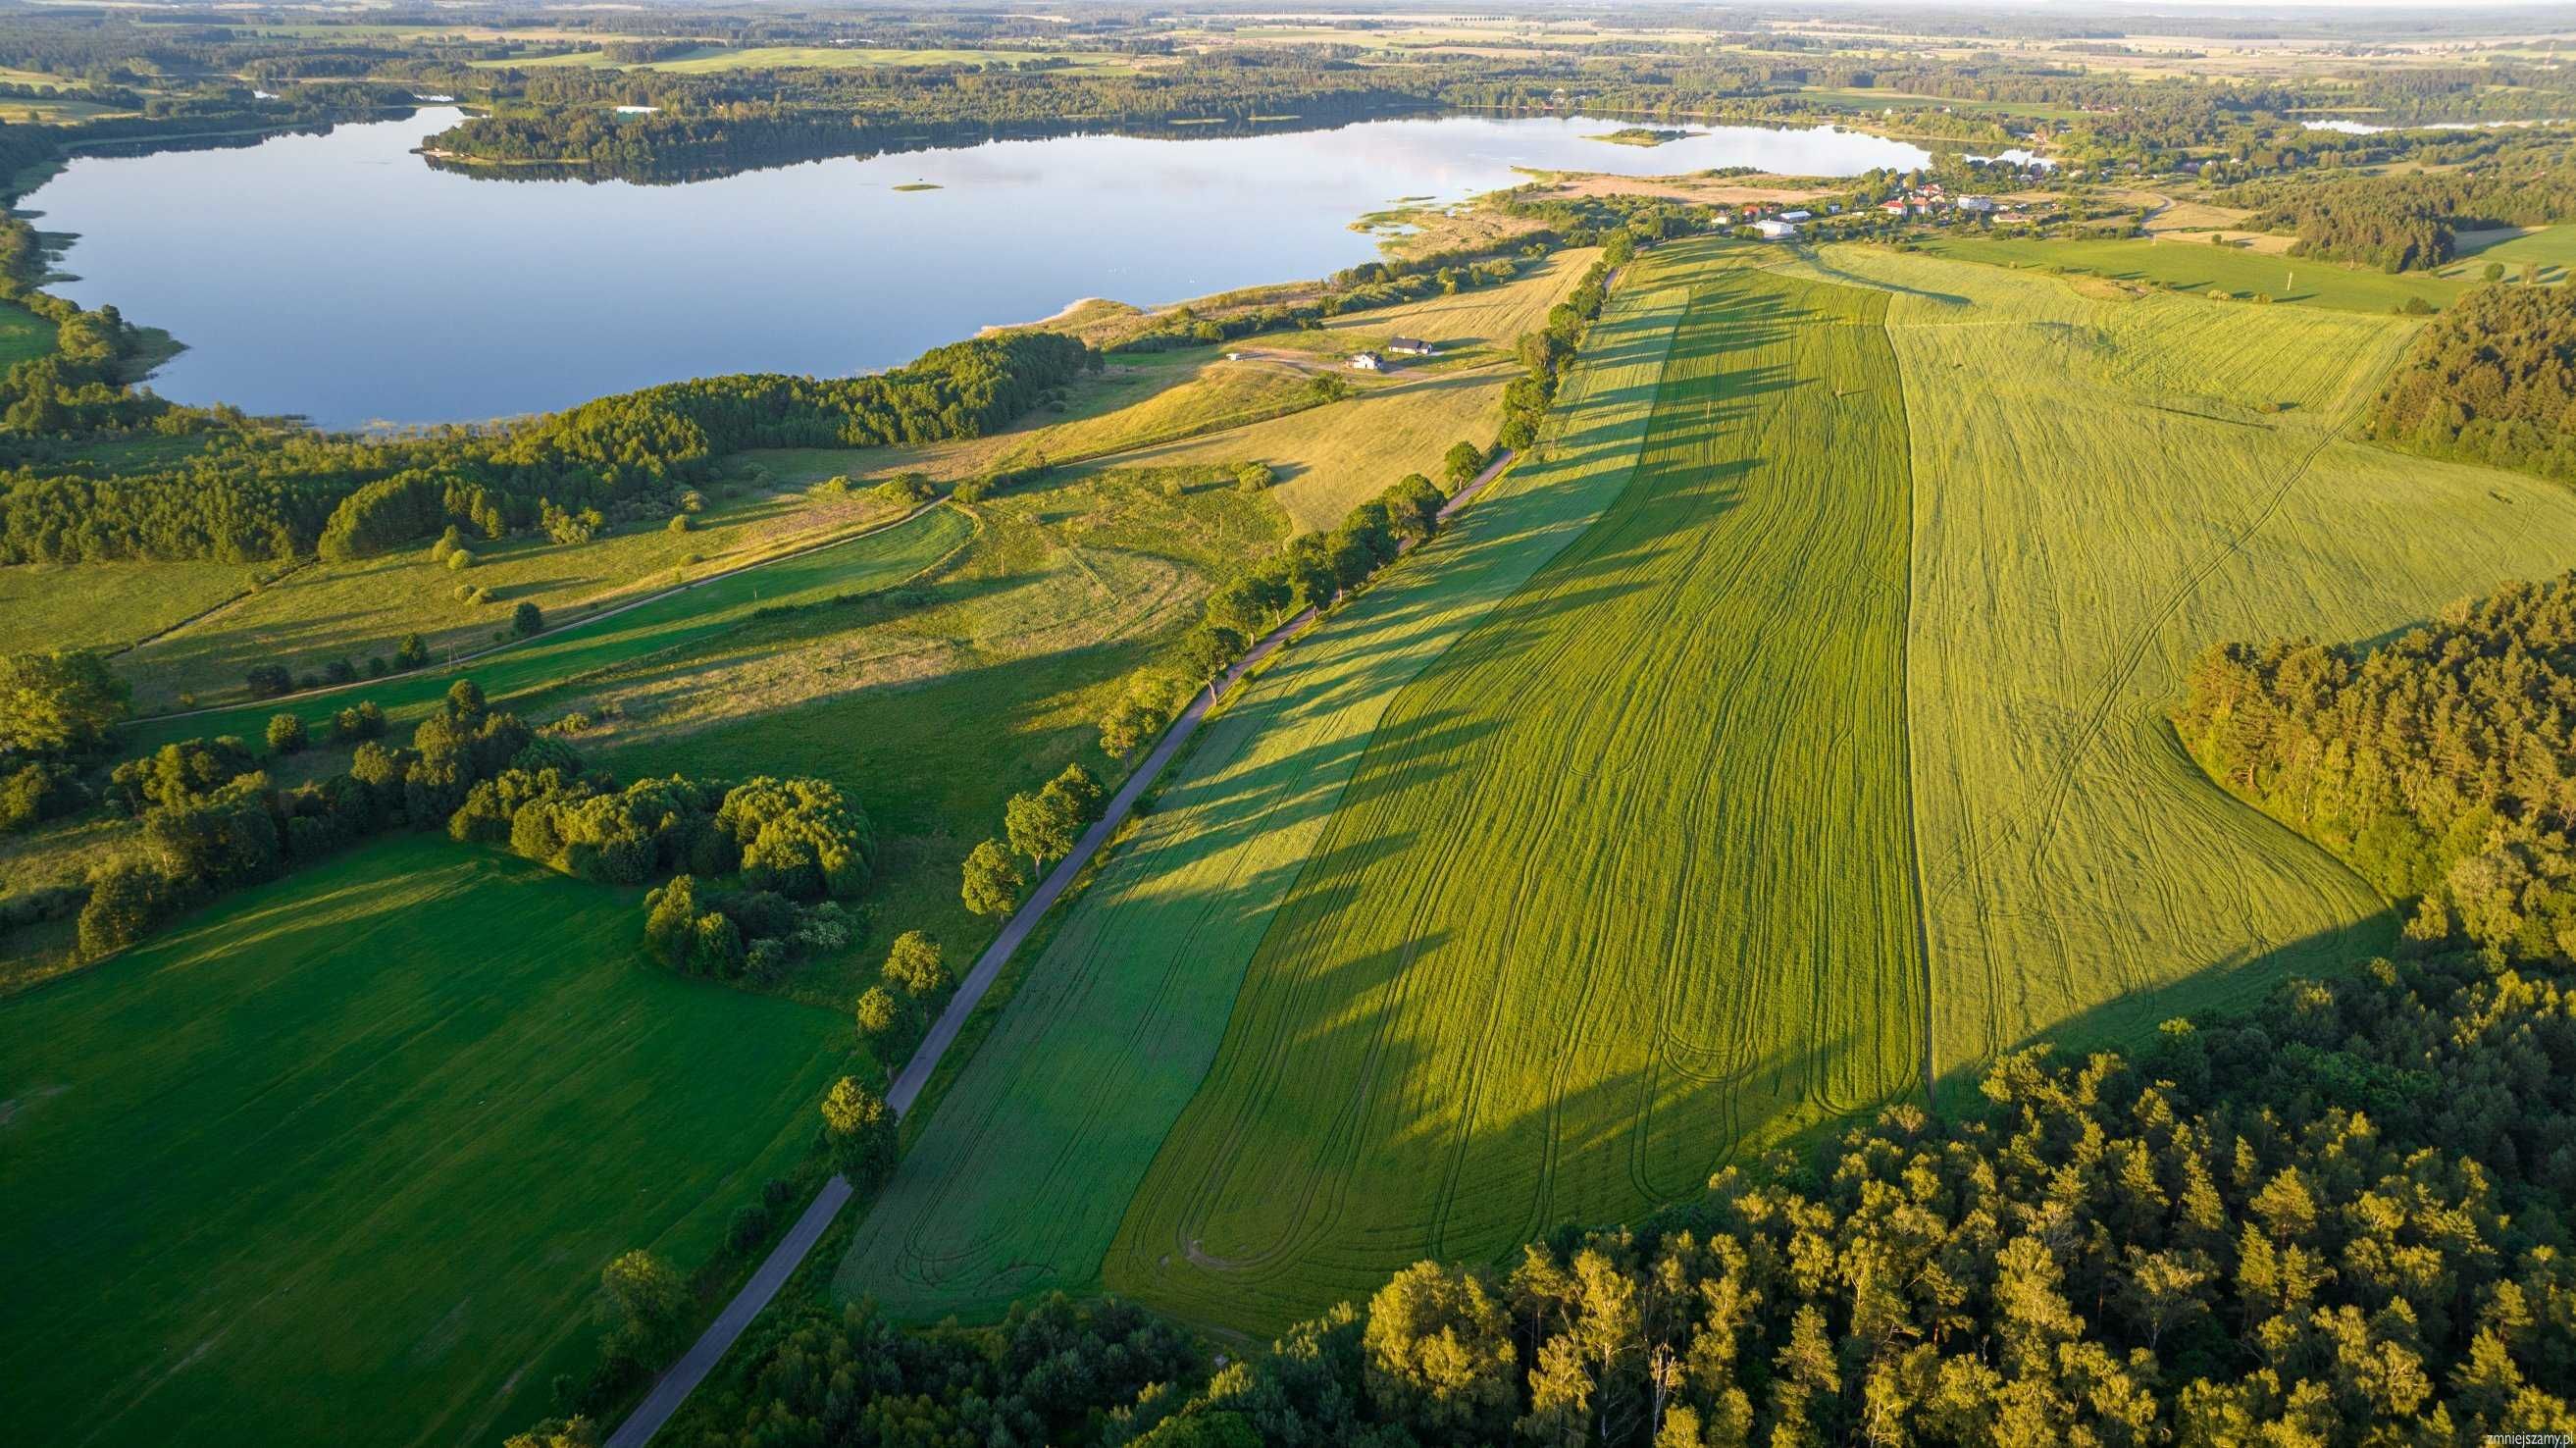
{"type": "Point", "coordinates": [1775, 230]}
{"type": "Point", "coordinates": [1411, 346]}
{"type": "Point", "coordinates": [1366, 362]}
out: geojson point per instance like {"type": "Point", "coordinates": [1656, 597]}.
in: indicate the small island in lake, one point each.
{"type": "Point", "coordinates": [1641, 136]}
{"type": "Point", "coordinates": [918, 186]}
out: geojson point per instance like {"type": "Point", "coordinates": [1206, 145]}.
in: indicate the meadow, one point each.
{"type": "Point", "coordinates": [2553, 247]}
{"type": "Point", "coordinates": [342, 1159]}
{"type": "Point", "coordinates": [2200, 268]}
{"type": "Point", "coordinates": [325, 611]}
{"type": "Point", "coordinates": [933, 704]}
{"type": "Point", "coordinates": [663, 624]}
{"type": "Point", "coordinates": [1095, 1056]}
{"type": "Point", "coordinates": [107, 605]}
{"type": "Point", "coordinates": [23, 335]}
{"type": "Point", "coordinates": [2103, 489]}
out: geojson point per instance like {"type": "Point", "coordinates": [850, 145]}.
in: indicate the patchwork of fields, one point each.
{"type": "Point", "coordinates": [1072, 1094]}
{"type": "Point", "coordinates": [1828, 761]}
{"type": "Point", "coordinates": [342, 1160]}
{"type": "Point", "coordinates": [1783, 736]}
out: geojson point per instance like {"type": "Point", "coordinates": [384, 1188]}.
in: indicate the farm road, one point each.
{"type": "Point", "coordinates": [672, 1389]}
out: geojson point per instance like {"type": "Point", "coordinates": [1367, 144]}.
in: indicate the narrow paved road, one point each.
{"type": "Point", "coordinates": [674, 1386]}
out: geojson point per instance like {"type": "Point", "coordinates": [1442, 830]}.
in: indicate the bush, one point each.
{"type": "Point", "coordinates": [527, 620]}
{"type": "Point", "coordinates": [267, 681]}
{"type": "Point", "coordinates": [460, 560]}
{"type": "Point", "coordinates": [286, 734]}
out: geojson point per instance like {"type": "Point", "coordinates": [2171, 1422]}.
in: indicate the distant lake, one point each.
{"type": "Point", "coordinates": [343, 278]}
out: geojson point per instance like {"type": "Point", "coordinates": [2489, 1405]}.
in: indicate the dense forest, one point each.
{"type": "Point", "coordinates": [706, 126]}
{"type": "Point", "coordinates": [2339, 1219]}
{"type": "Point", "coordinates": [2490, 380]}
{"type": "Point", "coordinates": [263, 496]}
{"type": "Point", "coordinates": [2438, 765]}
{"type": "Point", "coordinates": [2409, 219]}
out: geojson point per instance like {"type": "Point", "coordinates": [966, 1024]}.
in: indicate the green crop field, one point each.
{"type": "Point", "coordinates": [673, 621]}
{"type": "Point", "coordinates": [1396, 1058]}
{"type": "Point", "coordinates": [1623, 880]}
{"type": "Point", "coordinates": [341, 1159]}
{"type": "Point", "coordinates": [2197, 266]}
{"type": "Point", "coordinates": [1095, 1057]}
{"type": "Point", "coordinates": [2100, 496]}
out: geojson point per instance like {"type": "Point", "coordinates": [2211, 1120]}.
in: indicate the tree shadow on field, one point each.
{"type": "Point", "coordinates": [2131, 1020]}
{"type": "Point", "coordinates": [1350, 1128]}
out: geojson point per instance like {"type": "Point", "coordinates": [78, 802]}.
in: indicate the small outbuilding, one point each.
{"type": "Point", "coordinates": [1797, 215]}
{"type": "Point", "coordinates": [1367, 362]}
{"type": "Point", "coordinates": [1411, 346]}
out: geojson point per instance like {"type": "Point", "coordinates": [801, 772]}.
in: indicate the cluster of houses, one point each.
{"type": "Point", "coordinates": [1928, 202]}
{"type": "Point", "coordinates": [1395, 347]}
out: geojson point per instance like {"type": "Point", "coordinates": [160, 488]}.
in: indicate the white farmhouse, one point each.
{"type": "Point", "coordinates": [1776, 230]}
{"type": "Point", "coordinates": [1366, 362]}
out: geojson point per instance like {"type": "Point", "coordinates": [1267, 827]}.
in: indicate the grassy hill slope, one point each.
{"type": "Point", "coordinates": [342, 1160]}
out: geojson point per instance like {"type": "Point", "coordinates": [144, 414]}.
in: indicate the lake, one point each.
{"type": "Point", "coordinates": [343, 278]}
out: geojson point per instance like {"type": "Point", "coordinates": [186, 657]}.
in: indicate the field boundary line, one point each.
{"type": "Point", "coordinates": [673, 1387]}
{"type": "Point", "coordinates": [585, 621]}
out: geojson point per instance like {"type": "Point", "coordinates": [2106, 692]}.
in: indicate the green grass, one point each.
{"type": "Point", "coordinates": [2100, 497]}
{"type": "Point", "coordinates": [666, 624]}
{"type": "Point", "coordinates": [1099, 1053]}
{"type": "Point", "coordinates": [2198, 267]}
{"type": "Point", "coordinates": [2554, 247]}
{"type": "Point", "coordinates": [932, 708]}
{"type": "Point", "coordinates": [326, 611]}
{"type": "Point", "coordinates": [1623, 881]}
{"type": "Point", "coordinates": [24, 336]}
{"type": "Point", "coordinates": [340, 1161]}
{"type": "Point", "coordinates": [106, 605]}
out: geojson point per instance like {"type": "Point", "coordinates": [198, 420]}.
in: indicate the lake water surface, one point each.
{"type": "Point", "coordinates": [343, 278]}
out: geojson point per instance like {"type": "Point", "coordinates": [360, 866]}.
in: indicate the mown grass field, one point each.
{"type": "Point", "coordinates": [106, 605]}
{"type": "Point", "coordinates": [326, 611]}
{"type": "Point", "coordinates": [1096, 1055]}
{"type": "Point", "coordinates": [1623, 882]}
{"type": "Point", "coordinates": [666, 624]}
{"type": "Point", "coordinates": [2553, 247]}
{"type": "Point", "coordinates": [2100, 497]}
{"type": "Point", "coordinates": [340, 1160]}
{"type": "Point", "coordinates": [2197, 266]}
